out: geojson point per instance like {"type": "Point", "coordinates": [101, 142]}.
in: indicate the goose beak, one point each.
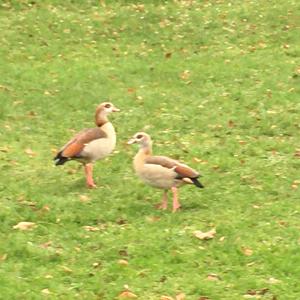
{"type": "Point", "coordinates": [115, 109]}
{"type": "Point", "coordinates": [131, 141]}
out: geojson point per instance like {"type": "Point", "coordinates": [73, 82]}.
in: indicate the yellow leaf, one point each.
{"type": "Point", "coordinates": [205, 235]}
{"type": "Point", "coordinates": [247, 251]}
{"type": "Point", "coordinates": [24, 225]}
{"type": "Point", "coordinates": [166, 298]}
{"type": "Point", "coordinates": [127, 295]}
{"type": "Point", "coordinates": [29, 152]}
{"type": "Point", "coordinates": [180, 296]}
{"type": "Point", "coordinates": [46, 291]}
{"type": "Point", "coordinates": [213, 277]}
{"type": "Point", "coordinates": [91, 228]}
{"type": "Point", "coordinates": [123, 262]}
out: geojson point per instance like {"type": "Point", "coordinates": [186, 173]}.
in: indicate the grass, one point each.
{"type": "Point", "coordinates": [216, 84]}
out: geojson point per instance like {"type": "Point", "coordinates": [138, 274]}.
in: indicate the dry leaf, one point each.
{"type": "Point", "coordinates": [168, 55]}
{"type": "Point", "coordinates": [91, 228]}
{"type": "Point", "coordinates": [4, 149]}
{"type": "Point", "coordinates": [84, 198]}
{"type": "Point", "coordinates": [46, 291]}
{"type": "Point", "coordinates": [29, 152]}
{"type": "Point", "coordinates": [203, 298]}
{"type": "Point", "coordinates": [46, 245]}
{"type": "Point", "coordinates": [185, 75]}
{"type": "Point", "coordinates": [66, 269]}
{"type": "Point", "coordinates": [205, 235]}
{"type": "Point", "coordinates": [123, 262]}
{"type": "Point", "coordinates": [127, 295]}
{"type": "Point", "coordinates": [274, 280]}
{"type": "Point", "coordinates": [247, 251]}
{"type": "Point", "coordinates": [3, 257]}
{"type": "Point", "coordinates": [24, 225]}
{"type": "Point", "coordinates": [213, 277]}
{"type": "Point", "coordinates": [180, 296]}
{"type": "Point", "coordinates": [166, 298]}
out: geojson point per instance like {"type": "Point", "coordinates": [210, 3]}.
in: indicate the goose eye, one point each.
{"type": "Point", "coordinates": [107, 106]}
{"type": "Point", "coordinates": [139, 136]}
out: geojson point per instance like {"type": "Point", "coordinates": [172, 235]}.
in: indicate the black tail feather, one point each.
{"type": "Point", "coordinates": [197, 183]}
{"type": "Point", "coordinates": [59, 159]}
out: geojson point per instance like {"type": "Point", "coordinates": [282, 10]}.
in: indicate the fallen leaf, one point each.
{"type": "Point", "coordinates": [168, 55]}
{"type": "Point", "coordinates": [91, 228]}
{"type": "Point", "coordinates": [180, 296]}
{"type": "Point", "coordinates": [247, 251]}
{"type": "Point", "coordinates": [152, 219]}
{"type": "Point", "coordinates": [3, 257]}
{"type": "Point", "coordinates": [84, 198]}
{"type": "Point", "coordinates": [66, 269]}
{"type": "Point", "coordinates": [46, 245]}
{"type": "Point", "coordinates": [273, 280]}
{"type": "Point", "coordinates": [185, 75]}
{"type": "Point", "coordinates": [4, 149]}
{"type": "Point", "coordinates": [166, 298]}
{"type": "Point", "coordinates": [204, 298]}
{"type": "Point", "coordinates": [46, 291]}
{"type": "Point", "coordinates": [29, 152]}
{"type": "Point", "coordinates": [24, 226]}
{"type": "Point", "coordinates": [127, 295]}
{"type": "Point", "coordinates": [205, 235]}
{"type": "Point", "coordinates": [213, 277]}
{"type": "Point", "coordinates": [123, 262]}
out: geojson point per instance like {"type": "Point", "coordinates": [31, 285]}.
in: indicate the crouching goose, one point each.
{"type": "Point", "coordinates": [91, 144]}
{"type": "Point", "coordinates": [161, 171]}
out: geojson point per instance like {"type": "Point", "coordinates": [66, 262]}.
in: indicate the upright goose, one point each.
{"type": "Point", "coordinates": [91, 144]}
{"type": "Point", "coordinates": [161, 171]}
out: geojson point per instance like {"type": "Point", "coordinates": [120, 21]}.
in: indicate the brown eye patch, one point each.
{"type": "Point", "coordinates": [107, 105]}
{"type": "Point", "coordinates": [139, 136]}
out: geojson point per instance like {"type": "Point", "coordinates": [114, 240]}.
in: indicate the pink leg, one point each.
{"type": "Point", "coordinates": [88, 168]}
{"type": "Point", "coordinates": [164, 204]}
{"type": "Point", "coordinates": [176, 204]}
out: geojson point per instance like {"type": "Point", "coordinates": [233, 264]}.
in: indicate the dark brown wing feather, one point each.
{"type": "Point", "coordinates": [78, 142]}
{"type": "Point", "coordinates": [181, 169]}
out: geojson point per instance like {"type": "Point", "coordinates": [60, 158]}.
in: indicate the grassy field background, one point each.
{"type": "Point", "coordinates": [216, 84]}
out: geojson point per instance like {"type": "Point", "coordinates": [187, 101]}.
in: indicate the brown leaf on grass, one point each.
{"type": "Point", "coordinates": [30, 152]}
{"type": "Point", "coordinates": [274, 280]}
{"type": "Point", "coordinates": [84, 198]}
{"type": "Point", "coordinates": [4, 149]}
{"type": "Point", "coordinates": [24, 226]}
{"type": "Point", "coordinates": [205, 235]}
{"type": "Point", "coordinates": [152, 219]}
{"type": "Point", "coordinates": [213, 277]}
{"type": "Point", "coordinates": [185, 75]}
{"type": "Point", "coordinates": [3, 257]}
{"type": "Point", "coordinates": [247, 251]}
{"type": "Point", "coordinates": [180, 296]}
{"type": "Point", "coordinates": [66, 269]}
{"type": "Point", "coordinates": [46, 292]}
{"type": "Point", "coordinates": [91, 228]}
{"type": "Point", "coordinates": [123, 262]}
{"type": "Point", "coordinates": [168, 55]}
{"type": "Point", "coordinates": [127, 295]}
{"type": "Point", "coordinates": [166, 298]}
{"type": "Point", "coordinates": [203, 298]}
{"type": "Point", "coordinates": [46, 245]}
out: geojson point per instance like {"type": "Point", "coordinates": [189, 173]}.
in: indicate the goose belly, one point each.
{"type": "Point", "coordinates": [157, 176]}
{"type": "Point", "coordinates": [98, 149]}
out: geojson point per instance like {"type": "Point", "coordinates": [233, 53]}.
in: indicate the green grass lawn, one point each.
{"type": "Point", "coordinates": [216, 85]}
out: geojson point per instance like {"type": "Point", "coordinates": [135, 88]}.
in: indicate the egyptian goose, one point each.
{"type": "Point", "coordinates": [91, 144]}
{"type": "Point", "coordinates": [161, 171]}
